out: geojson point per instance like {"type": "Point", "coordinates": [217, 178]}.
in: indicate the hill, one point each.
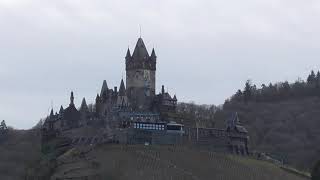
{"type": "Point", "coordinates": [282, 118]}
{"type": "Point", "coordinates": [19, 149]}
{"type": "Point", "coordinates": [161, 162]}
{"type": "Point", "coordinates": [288, 130]}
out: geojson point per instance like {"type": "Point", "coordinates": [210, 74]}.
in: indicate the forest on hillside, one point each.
{"type": "Point", "coordinates": [282, 118]}
{"type": "Point", "coordinates": [279, 91]}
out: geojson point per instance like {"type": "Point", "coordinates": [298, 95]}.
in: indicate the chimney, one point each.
{"type": "Point", "coordinates": [115, 89]}
{"type": "Point", "coordinates": [162, 90]}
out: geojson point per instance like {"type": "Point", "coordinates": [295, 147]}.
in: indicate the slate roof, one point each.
{"type": "Point", "coordinates": [104, 87]}
{"type": "Point", "coordinates": [122, 90]}
{"type": "Point", "coordinates": [234, 124]}
{"type": "Point", "coordinates": [140, 51]}
{"type": "Point", "coordinates": [84, 106]}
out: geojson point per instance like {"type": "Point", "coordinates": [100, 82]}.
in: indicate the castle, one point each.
{"type": "Point", "coordinates": [134, 113]}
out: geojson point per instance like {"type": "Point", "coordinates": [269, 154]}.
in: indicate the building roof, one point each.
{"type": "Point", "coordinates": [140, 51]}
{"type": "Point", "coordinates": [241, 129]}
{"type": "Point", "coordinates": [122, 90]}
{"type": "Point", "coordinates": [128, 55]}
{"type": "Point", "coordinates": [234, 124]}
{"type": "Point", "coordinates": [97, 98]}
{"type": "Point", "coordinates": [51, 113]}
{"type": "Point", "coordinates": [104, 87]}
{"type": "Point", "coordinates": [61, 110]}
{"type": "Point", "coordinates": [84, 106]}
{"type": "Point", "coordinates": [71, 99]}
{"type": "Point", "coordinates": [153, 55]}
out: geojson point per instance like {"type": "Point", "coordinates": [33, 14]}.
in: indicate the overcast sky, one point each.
{"type": "Point", "coordinates": [206, 49]}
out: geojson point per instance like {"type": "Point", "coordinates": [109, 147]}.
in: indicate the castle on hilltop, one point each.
{"type": "Point", "coordinates": [135, 113]}
{"type": "Point", "coordinates": [135, 100]}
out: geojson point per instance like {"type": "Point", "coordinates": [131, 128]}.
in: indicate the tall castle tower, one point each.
{"type": "Point", "coordinates": [140, 76]}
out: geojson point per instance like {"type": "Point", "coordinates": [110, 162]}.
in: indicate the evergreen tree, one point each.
{"type": "Point", "coordinates": [284, 90]}
{"type": "Point", "coordinates": [238, 95]}
{"type": "Point", "coordinates": [311, 78]}
{"type": "Point", "coordinates": [247, 93]}
{"type": "Point", "coordinates": [315, 174]}
{"type": "Point", "coordinates": [279, 91]}
{"type": "Point", "coordinates": [318, 76]}
{"type": "Point", "coordinates": [317, 90]}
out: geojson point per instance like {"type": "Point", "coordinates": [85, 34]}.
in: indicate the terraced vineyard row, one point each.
{"type": "Point", "coordinates": [174, 162]}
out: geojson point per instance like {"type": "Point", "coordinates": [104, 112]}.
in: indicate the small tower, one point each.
{"type": "Point", "coordinates": [51, 113]}
{"type": "Point", "coordinates": [98, 104]}
{"type": "Point", "coordinates": [104, 89]}
{"type": "Point", "coordinates": [71, 115]}
{"type": "Point", "coordinates": [84, 112]}
{"type": "Point", "coordinates": [128, 55]}
{"type": "Point", "coordinates": [153, 56]}
{"type": "Point", "coordinates": [122, 100]}
{"type": "Point", "coordinates": [71, 99]}
{"type": "Point", "coordinates": [84, 106]}
{"type": "Point", "coordinates": [61, 110]}
{"type": "Point", "coordinates": [60, 116]}
{"type": "Point", "coordinates": [238, 136]}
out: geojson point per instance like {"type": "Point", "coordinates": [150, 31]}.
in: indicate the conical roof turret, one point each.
{"type": "Point", "coordinates": [236, 119]}
{"type": "Point", "coordinates": [122, 90]}
{"type": "Point", "coordinates": [61, 109]}
{"type": "Point", "coordinates": [97, 98]}
{"type": "Point", "coordinates": [104, 88]}
{"type": "Point", "coordinates": [153, 55]}
{"type": "Point", "coordinates": [174, 97]}
{"type": "Point", "coordinates": [128, 55]}
{"type": "Point", "coordinates": [84, 106]}
{"type": "Point", "coordinates": [51, 113]}
{"type": "Point", "coordinates": [140, 51]}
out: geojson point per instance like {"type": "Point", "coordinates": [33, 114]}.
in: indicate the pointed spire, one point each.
{"type": "Point", "coordinates": [51, 113]}
{"type": "Point", "coordinates": [122, 90]}
{"type": "Point", "coordinates": [61, 110]}
{"type": "Point", "coordinates": [97, 98]}
{"type": "Point", "coordinates": [128, 56]}
{"type": "Point", "coordinates": [84, 106]}
{"type": "Point", "coordinates": [174, 97]}
{"type": "Point", "coordinates": [153, 55]}
{"type": "Point", "coordinates": [140, 51]}
{"type": "Point", "coordinates": [71, 99]}
{"type": "Point", "coordinates": [104, 87]}
{"type": "Point", "coordinates": [236, 119]}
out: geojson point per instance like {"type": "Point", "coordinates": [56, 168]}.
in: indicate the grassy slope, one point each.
{"type": "Point", "coordinates": [163, 162]}
{"type": "Point", "coordinates": [288, 129]}
{"type": "Point", "coordinates": [18, 150]}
